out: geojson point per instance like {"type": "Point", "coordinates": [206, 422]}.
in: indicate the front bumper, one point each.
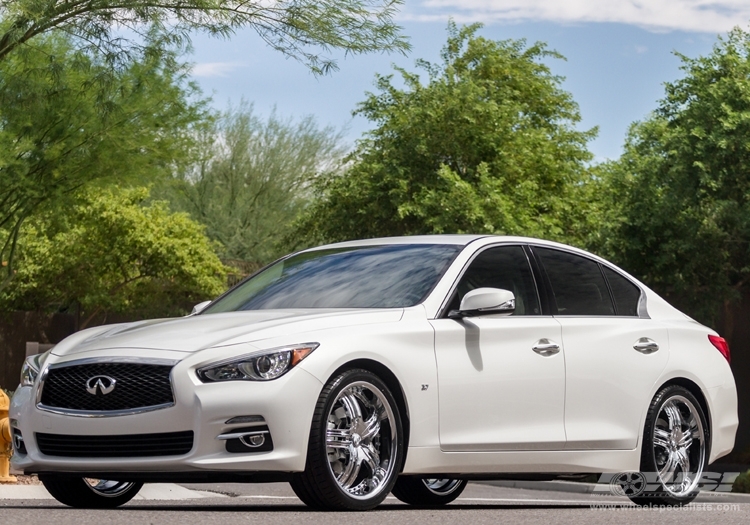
{"type": "Point", "coordinates": [286, 404]}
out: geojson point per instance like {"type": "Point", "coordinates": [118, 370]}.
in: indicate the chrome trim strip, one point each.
{"type": "Point", "coordinates": [104, 413]}
{"type": "Point", "coordinates": [115, 359]}
{"type": "Point", "coordinates": [40, 385]}
{"type": "Point", "coordinates": [235, 435]}
{"type": "Point", "coordinates": [252, 421]}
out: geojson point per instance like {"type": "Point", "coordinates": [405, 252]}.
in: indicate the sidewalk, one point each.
{"type": "Point", "coordinates": [150, 491]}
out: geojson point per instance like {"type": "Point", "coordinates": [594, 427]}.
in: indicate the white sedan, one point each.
{"type": "Point", "coordinates": [407, 364]}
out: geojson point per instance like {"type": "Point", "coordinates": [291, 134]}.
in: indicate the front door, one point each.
{"type": "Point", "coordinates": [501, 379]}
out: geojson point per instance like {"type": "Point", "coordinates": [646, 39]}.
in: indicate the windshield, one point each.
{"type": "Point", "coordinates": [390, 276]}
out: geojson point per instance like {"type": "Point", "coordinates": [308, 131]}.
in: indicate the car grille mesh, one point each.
{"type": "Point", "coordinates": [137, 386]}
{"type": "Point", "coordinates": [123, 446]}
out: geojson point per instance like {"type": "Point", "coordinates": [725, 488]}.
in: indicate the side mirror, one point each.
{"type": "Point", "coordinates": [486, 301]}
{"type": "Point", "coordinates": [199, 307]}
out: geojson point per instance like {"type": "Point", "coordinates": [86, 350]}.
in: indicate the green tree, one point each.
{"type": "Point", "coordinates": [252, 180]}
{"type": "Point", "coordinates": [488, 144]}
{"type": "Point", "coordinates": [297, 28]}
{"type": "Point", "coordinates": [678, 200]}
{"type": "Point", "coordinates": [67, 120]}
{"type": "Point", "coordinates": [111, 254]}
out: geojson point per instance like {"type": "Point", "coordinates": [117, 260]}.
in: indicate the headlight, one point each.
{"type": "Point", "coordinates": [263, 365]}
{"type": "Point", "coordinates": [31, 367]}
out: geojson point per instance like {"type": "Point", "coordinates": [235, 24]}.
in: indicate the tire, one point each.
{"type": "Point", "coordinates": [675, 449]}
{"type": "Point", "coordinates": [87, 493]}
{"type": "Point", "coordinates": [356, 444]}
{"type": "Point", "coordinates": [428, 492]}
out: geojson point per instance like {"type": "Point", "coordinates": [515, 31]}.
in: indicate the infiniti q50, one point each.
{"type": "Point", "coordinates": [406, 365]}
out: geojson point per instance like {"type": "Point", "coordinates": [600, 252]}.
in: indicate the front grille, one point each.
{"type": "Point", "coordinates": [137, 386]}
{"type": "Point", "coordinates": [125, 446]}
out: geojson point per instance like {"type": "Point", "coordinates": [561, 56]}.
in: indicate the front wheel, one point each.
{"type": "Point", "coordinates": [356, 445]}
{"type": "Point", "coordinates": [675, 448]}
{"type": "Point", "coordinates": [428, 492]}
{"type": "Point", "coordinates": [89, 493]}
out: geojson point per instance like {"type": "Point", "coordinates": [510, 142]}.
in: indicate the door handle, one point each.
{"type": "Point", "coordinates": [545, 347]}
{"type": "Point", "coordinates": [646, 346]}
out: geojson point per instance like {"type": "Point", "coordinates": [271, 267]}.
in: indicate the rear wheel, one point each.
{"type": "Point", "coordinates": [356, 445]}
{"type": "Point", "coordinates": [428, 492]}
{"type": "Point", "coordinates": [675, 446]}
{"type": "Point", "coordinates": [90, 493]}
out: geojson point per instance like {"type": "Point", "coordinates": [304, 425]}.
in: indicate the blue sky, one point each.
{"type": "Point", "coordinates": [619, 53]}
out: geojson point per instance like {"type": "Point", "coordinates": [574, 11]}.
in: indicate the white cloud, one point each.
{"type": "Point", "coordinates": [215, 69]}
{"type": "Point", "coordinates": [712, 16]}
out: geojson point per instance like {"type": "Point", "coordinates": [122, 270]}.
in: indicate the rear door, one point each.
{"type": "Point", "coordinates": [613, 353]}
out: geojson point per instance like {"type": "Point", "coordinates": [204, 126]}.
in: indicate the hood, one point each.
{"type": "Point", "coordinates": [198, 332]}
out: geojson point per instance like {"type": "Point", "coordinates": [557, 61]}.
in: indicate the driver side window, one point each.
{"type": "Point", "coordinates": [504, 267]}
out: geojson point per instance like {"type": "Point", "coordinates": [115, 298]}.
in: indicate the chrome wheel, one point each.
{"type": "Point", "coordinates": [361, 440]}
{"type": "Point", "coordinates": [108, 488]}
{"type": "Point", "coordinates": [679, 446]}
{"type": "Point", "coordinates": [441, 487]}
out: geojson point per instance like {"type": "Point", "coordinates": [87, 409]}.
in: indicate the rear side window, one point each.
{"type": "Point", "coordinates": [578, 285]}
{"type": "Point", "coordinates": [626, 294]}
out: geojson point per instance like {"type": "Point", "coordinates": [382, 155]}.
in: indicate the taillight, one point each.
{"type": "Point", "coordinates": [721, 345]}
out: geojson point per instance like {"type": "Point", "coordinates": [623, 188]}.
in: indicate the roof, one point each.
{"type": "Point", "coordinates": [458, 240]}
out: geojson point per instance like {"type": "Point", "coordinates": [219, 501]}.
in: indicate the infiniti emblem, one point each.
{"type": "Point", "coordinates": [103, 384]}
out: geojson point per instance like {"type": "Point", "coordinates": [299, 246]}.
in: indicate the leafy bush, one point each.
{"type": "Point", "coordinates": [113, 254]}
{"type": "Point", "coordinates": [742, 483]}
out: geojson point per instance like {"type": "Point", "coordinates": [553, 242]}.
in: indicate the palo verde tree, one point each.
{"type": "Point", "coordinates": [67, 120]}
{"type": "Point", "coordinates": [251, 179]}
{"type": "Point", "coordinates": [487, 144]}
{"type": "Point", "coordinates": [678, 210]}
{"type": "Point", "coordinates": [303, 29]}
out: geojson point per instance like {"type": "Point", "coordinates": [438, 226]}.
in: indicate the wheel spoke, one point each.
{"type": "Point", "coordinates": [667, 471]}
{"type": "Point", "coordinates": [358, 394]}
{"type": "Point", "coordinates": [673, 415]}
{"type": "Point", "coordinates": [661, 438]}
{"type": "Point", "coordinates": [686, 441]}
{"type": "Point", "coordinates": [351, 470]}
{"type": "Point", "coordinates": [338, 438]}
{"type": "Point", "coordinates": [683, 461]}
{"type": "Point", "coordinates": [372, 427]}
{"type": "Point", "coordinates": [371, 457]}
{"type": "Point", "coordinates": [353, 410]}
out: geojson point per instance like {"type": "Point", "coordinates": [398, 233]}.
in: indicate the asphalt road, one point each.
{"type": "Point", "coordinates": [479, 504]}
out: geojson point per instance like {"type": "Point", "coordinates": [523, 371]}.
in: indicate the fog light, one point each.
{"type": "Point", "coordinates": [247, 439]}
{"type": "Point", "coordinates": [18, 444]}
{"type": "Point", "coordinates": [254, 441]}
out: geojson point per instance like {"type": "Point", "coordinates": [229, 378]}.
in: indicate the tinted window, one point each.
{"type": "Point", "coordinates": [391, 276]}
{"type": "Point", "coordinates": [625, 293]}
{"type": "Point", "coordinates": [578, 285]}
{"type": "Point", "coordinates": [504, 267]}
